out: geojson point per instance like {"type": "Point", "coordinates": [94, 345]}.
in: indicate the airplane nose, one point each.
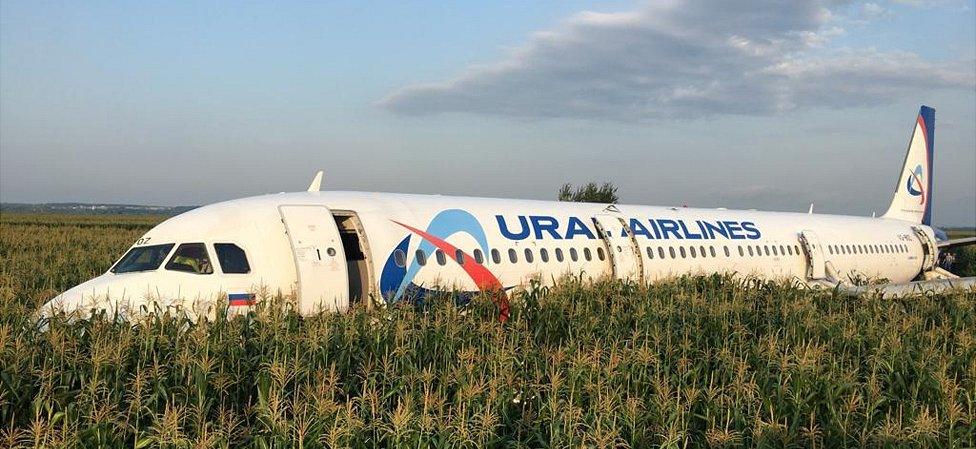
{"type": "Point", "coordinates": [126, 296]}
{"type": "Point", "coordinates": [76, 299]}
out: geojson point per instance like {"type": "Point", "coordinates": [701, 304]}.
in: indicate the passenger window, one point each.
{"type": "Point", "coordinates": [559, 255]}
{"type": "Point", "coordinates": [650, 253]}
{"type": "Point", "coordinates": [496, 257]}
{"type": "Point", "coordinates": [573, 255]}
{"type": "Point", "coordinates": [711, 250]}
{"type": "Point", "coordinates": [421, 257]}
{"type": "Point", "coordinates": [587, 254]}
{"type": "Point", "coordinates": [693, 252]}
{"type": "Point", "coordinates": [741, 253]}
{"type": "Point", "coordinates": [512, 256]}
{"type": "Point", "coordinates": [544, 255]}
{"type": "Point", "coordinates": [671, 251]}
{"type": "Point", "coordinates": [774, 251]}
{"type": "Point", "coordinates": [459, 256]}
{"type": "Point", "coordinates": [528, 255]}
{"type": "Point", "coordinates": [766, 249]}
{"type": "Point", "coordinates": [727, 253]}
{"type": "Point", "coordinates": [400, 258]}
{"type": "Point", "coordinates": [796, 249]}
{"type": "Point", "coordinates": [599, 253]}
{"type": "Point", "coordinates": [441, 258]}
{"type": "Point", "coordinates": [190, 258]}
{"type": "Point", "coordinates": [660, 252]}
{"type": "Point", "coordinates": [750, 251]}
{"type": "Point", "coordinates": [478, 257]}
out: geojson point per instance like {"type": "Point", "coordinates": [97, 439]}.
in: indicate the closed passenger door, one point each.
{"type": "Point", "coordinates": [320, 262]}
{"type": "Point", "coordinates": [625, 259]}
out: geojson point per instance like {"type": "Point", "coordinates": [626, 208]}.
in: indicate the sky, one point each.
{"type": "Point", "coordinates": [742, 104]}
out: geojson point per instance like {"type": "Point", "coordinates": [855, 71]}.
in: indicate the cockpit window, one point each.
{"type": "Point", "coordinates": [142, 258]}
{"type": "Point", "coordinates": [191, 258]}
{"type": "Point", "coordinates": [232, 258]}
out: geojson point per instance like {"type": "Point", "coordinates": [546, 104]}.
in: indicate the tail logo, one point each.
{"type": "Point", "coordinates": [914, 184]}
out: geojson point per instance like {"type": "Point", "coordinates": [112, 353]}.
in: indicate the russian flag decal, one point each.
{"type": "Point", "coordinates": [241, 299]}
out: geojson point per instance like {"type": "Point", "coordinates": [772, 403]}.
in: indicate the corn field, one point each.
{"type": "Point", "coordinates": [696, 362]}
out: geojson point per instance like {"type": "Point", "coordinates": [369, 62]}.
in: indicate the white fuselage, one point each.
{"type": "Point", "coordinates": [328, 248]}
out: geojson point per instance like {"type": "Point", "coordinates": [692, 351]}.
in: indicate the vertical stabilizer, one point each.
{"type": "Point", "coordinates": [913, 192]}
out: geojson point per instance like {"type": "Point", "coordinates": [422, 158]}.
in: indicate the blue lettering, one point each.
{"type": "Point", "coordinates": [688, 235]}
{"type": "Point", "coordinates": [715, 229]}
{"type": "Point", "coordinates": [657, 234]}
{"type": "Point", "coordinates": [522, 234]}
{"type": "Point", "coordinates": [732, 227]}
{"type": "Point", "coordinates": [576, 227]}
{"type": "Point", "coordinates": [638, 228]}
{"type": "Point", "coordinates": [547, 224]}
{"type": "Point", "coordinates": [701, 228]}
{"type": "Point", "coordinates": [751, 228]}
{"type": "Point", "coordinates": [669, 227]}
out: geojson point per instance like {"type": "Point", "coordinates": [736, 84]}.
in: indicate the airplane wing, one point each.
{"type": "Point", "coordinates": [967, 284]}
{"type": "Point", "coordinates": [965, 241]}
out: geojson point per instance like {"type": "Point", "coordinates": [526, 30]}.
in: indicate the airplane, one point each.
{"type": "Point", "coordinates": [331, 250]}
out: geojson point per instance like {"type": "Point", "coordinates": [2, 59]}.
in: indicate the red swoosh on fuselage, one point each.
{"type": "Point", "coordinates": [484, 279]}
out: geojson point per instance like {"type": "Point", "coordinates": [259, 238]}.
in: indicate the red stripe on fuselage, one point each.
{"type": "Point", "coordinates": [484, 279]}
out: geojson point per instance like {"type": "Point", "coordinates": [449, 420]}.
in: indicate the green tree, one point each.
{"type": "Point", "coordinates": [589, 193]}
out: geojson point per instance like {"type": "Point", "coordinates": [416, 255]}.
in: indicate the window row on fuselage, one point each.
{"type": "Point", "coordinates": [513, 256]}
{"type": "Point", "coordinates": [695, 251]}
{"type": "Point", "coordinates": [559, 255]}
{"type": "Point", "coordinates": [871, 248]}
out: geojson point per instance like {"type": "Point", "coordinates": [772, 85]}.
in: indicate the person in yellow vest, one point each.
{"type": "Point", "coordinates": [194, 258]}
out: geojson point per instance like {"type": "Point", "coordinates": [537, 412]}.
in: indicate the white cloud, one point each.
{"type": "Point", "coordinates": [682, 58]}
{"type": "Point", "coordinates": [874, 11]}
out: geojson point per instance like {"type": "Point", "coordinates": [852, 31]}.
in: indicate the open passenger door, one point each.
{"type": "Point", "coordinates": [624, 253]}
{"type": "Point", "coordinates": [320, 261]}
{"type": "Point", "coordinates": [816, 262]}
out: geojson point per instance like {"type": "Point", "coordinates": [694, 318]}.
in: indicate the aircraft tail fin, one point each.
{"type": "Point", "coordinates": [913, 193]}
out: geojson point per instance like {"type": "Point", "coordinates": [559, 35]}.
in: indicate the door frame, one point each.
{"type": "Point", "coordinates": [371, 281]}
{"type": "Point", "coordinates": [610, 242]}
{"type": "Point", "coordinates": [813, 248]}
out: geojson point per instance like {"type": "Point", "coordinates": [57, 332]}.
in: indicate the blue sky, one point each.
{"type": "Point", "coordinates": [735, 104]}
